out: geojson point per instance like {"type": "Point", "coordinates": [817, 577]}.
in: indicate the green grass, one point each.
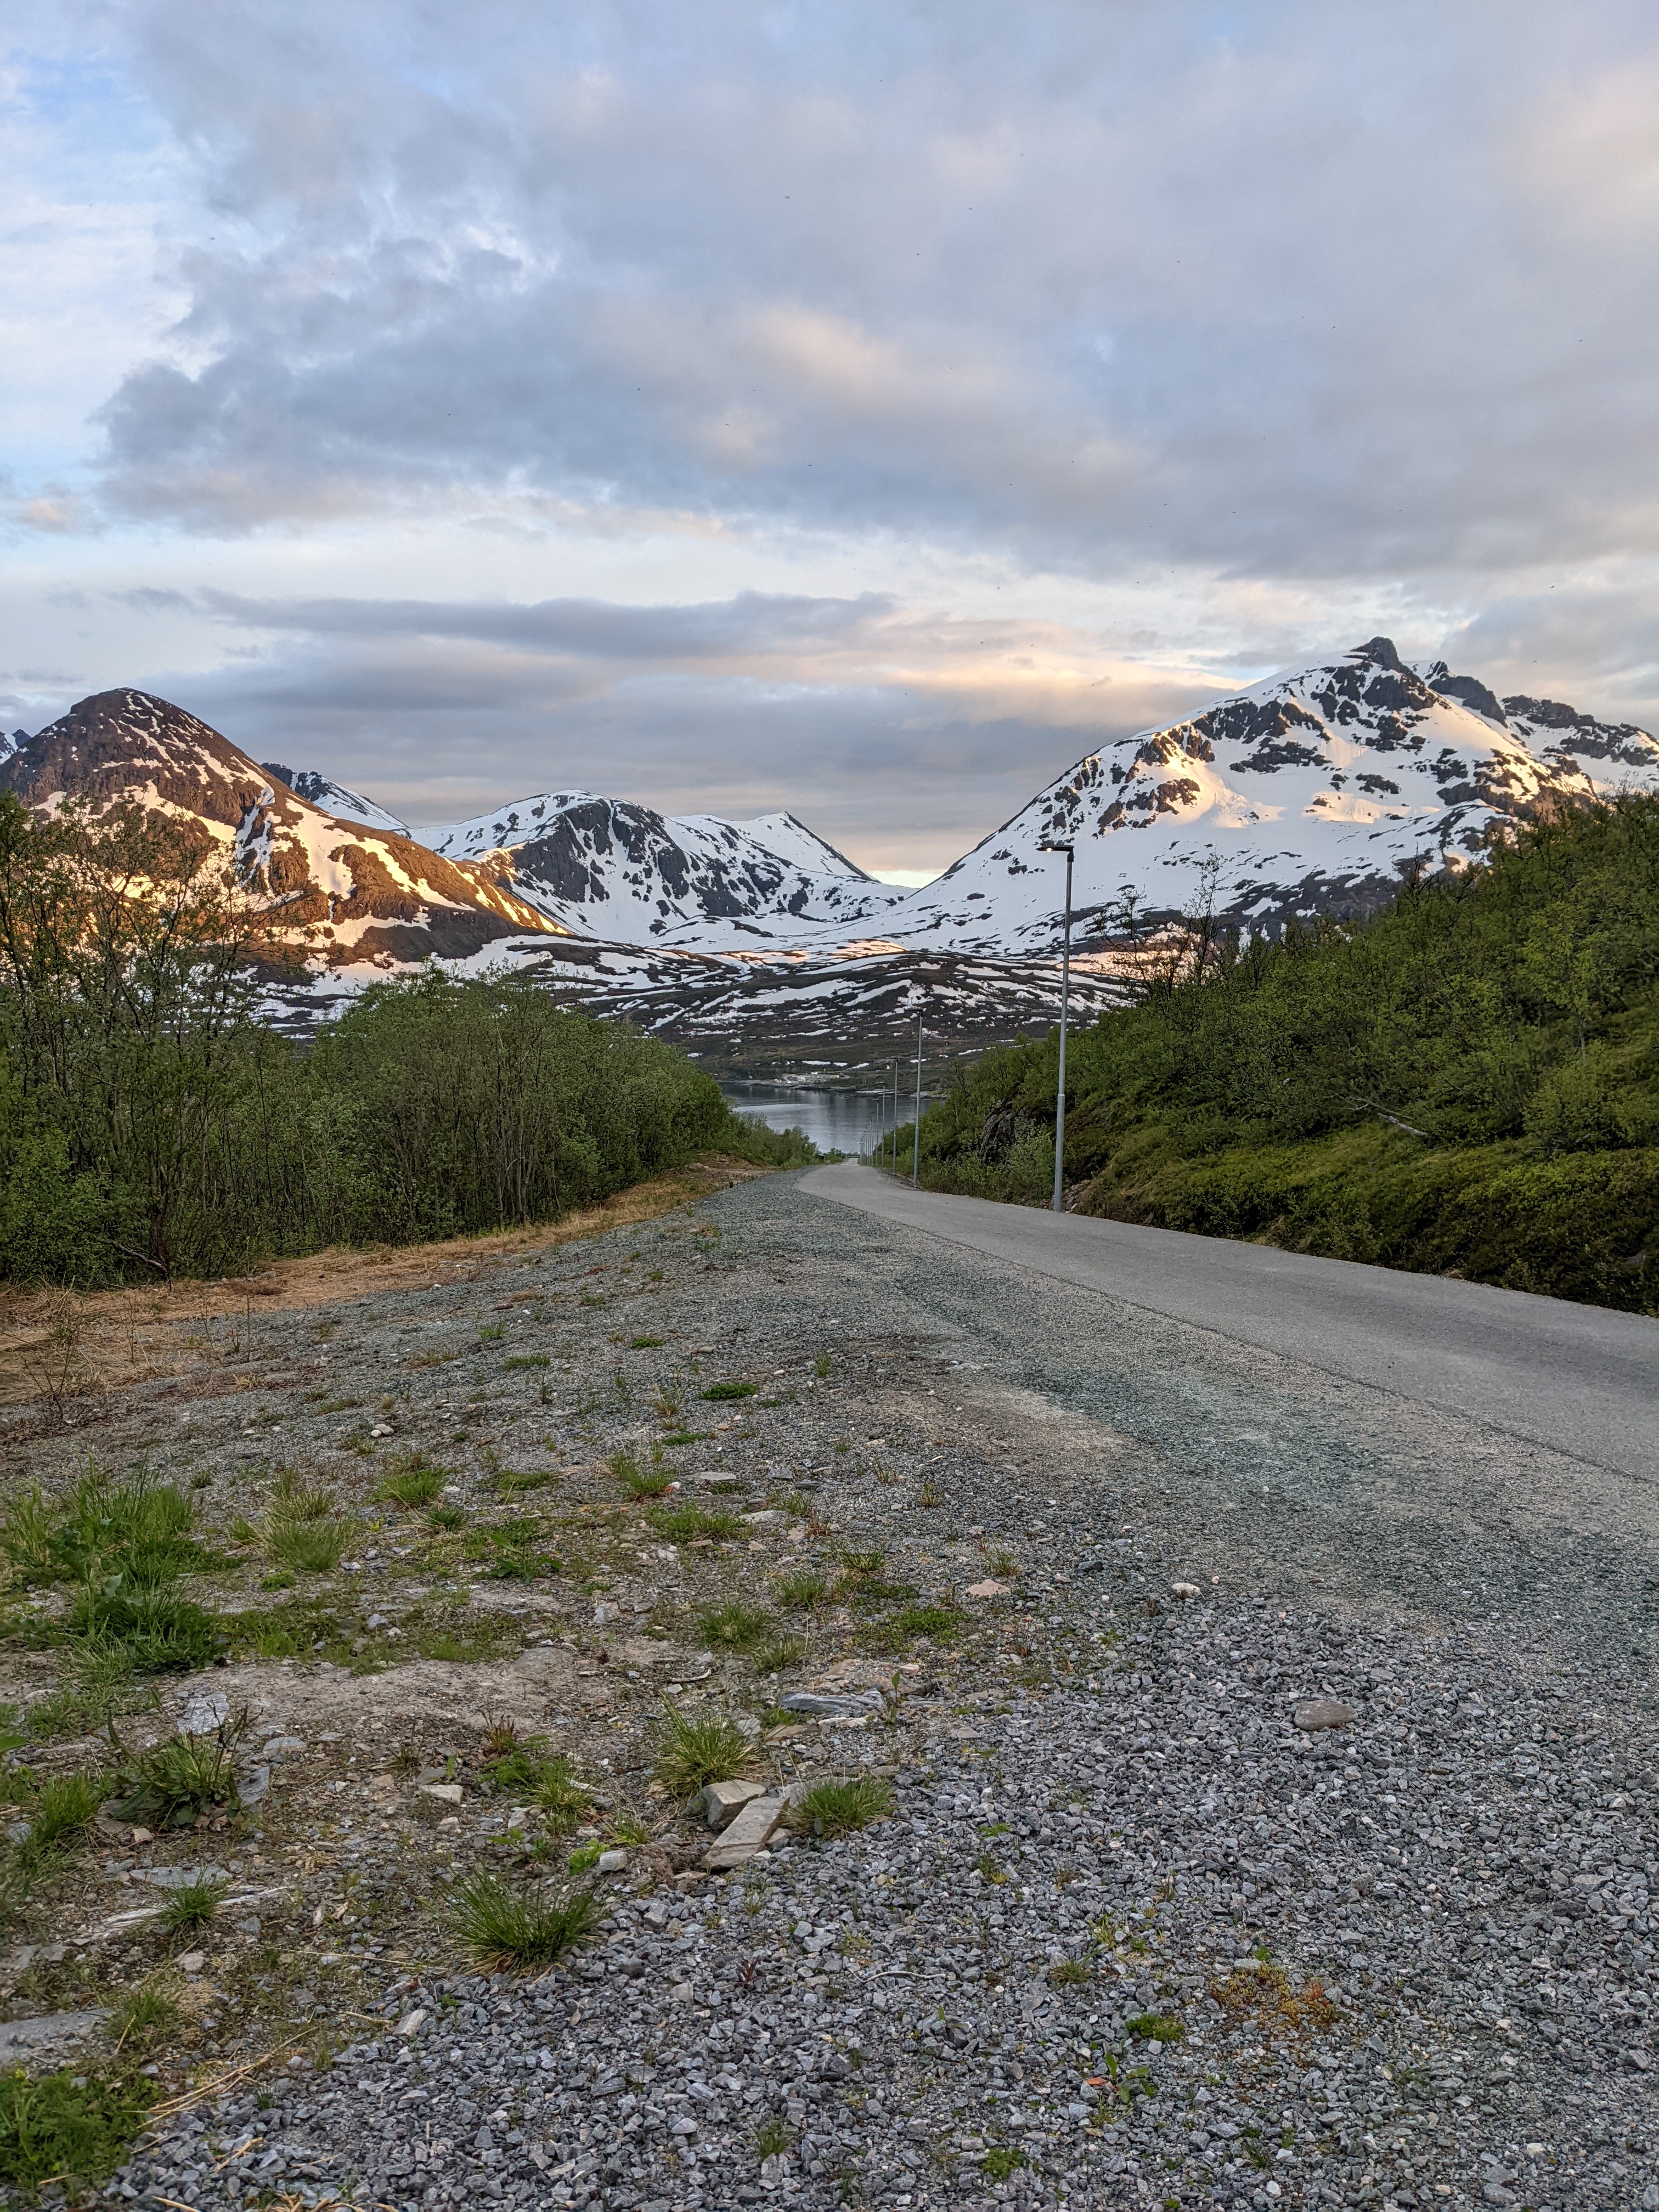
{"type": "Point", "coordinates": [648, 1343]}
{"type": "Point", "coordinates": [175, 1781]}
{"type": "Point", "coordinates": [1002, 2162]}
{"type": "Point", "coordinates": [191, 1907]}
{"type": "Point", "coordinates": [308, 1547]}
{"type": "Point", "coordinates": [76, 2125]}
{"type": "Point", "coordinates": [639, 1481]}
{"type": "Point", "coordinates": [414, 1486]}
{"type": "Point", "coordinates": [504, 1930]}
{"type": "Point", "coordinates": [940, 1624]}
{"type": "Point", "coordinates": [683, 1524]}
{"type": "Point", "coordinates": [682, 1436]}
{"type": "Point", "coordinates": [804, 1592]}
{"type": "Point", "coordinates": [778, 1657]}
{"type": "Point", "coordinates": [491, 1331]}
{"type": "Point", "coordinates": [139, 2016]}
{"type": "Point", "coordinates": [735, 1627]}
{"type": "Point", "coordinates": [522, 1360]}
{"type": "Point", "coordinates": [561, 1799]}
{"type": "Point", "coordinates": [124, 1546]}
{"type": "Point", "coordinates": [837, 1809]}
{"type": "Point", "coordinates": [722, 1390]}
{"type": "Point", "coordinates": [772, 2137]}
{"type": "Point", "coordinates": [63, 1808]}
{"type": "Point", "coordinates": [692, 1751]}
{"type": "Point", "coordinates": [1154, 2028]}
{"type": "Point", "coordinates": [447, 1518]}
{"type": "Point", "coordinates": [1069, 1973]}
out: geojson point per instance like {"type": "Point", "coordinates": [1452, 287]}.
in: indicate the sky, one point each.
{"type": "Point", "coordinates": [863, 408]}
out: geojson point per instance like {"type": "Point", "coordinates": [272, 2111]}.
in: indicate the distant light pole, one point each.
{"type": "Point", "coordinates": [915, 1153]}
{"type": "Point", "coordinates": [1065, 997]}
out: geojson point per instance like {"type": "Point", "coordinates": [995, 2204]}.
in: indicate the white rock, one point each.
{"type": "Point", "coordinates": [191, 1962]}
{"type": "Point", "coordinates": [986, 1588]}
{"type": "Point", "coordinates": [1185, 1590]}
{"type": "Point", "coordinates": [451, 1793]}
{"type": "Point", "coordinates": [722, 1802]}
{"type": "Point", "coordinates": [410, 2022]}
{"type": "Point", "coordinates": [203, 1713]}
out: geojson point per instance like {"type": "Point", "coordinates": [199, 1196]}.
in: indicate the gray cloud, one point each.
{"type": "Point", "coordinates": [1301, 290]}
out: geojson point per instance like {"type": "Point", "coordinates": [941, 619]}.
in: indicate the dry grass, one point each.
{"type": "Point", "coordinates": [149, 1329]}
{"type": "Point", "coordinates": [1262, 1995]}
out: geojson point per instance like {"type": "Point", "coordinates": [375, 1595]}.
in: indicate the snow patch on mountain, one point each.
{"type": "Point", "coordinates": [1313, 792]}
{"type": "Point", "coordinates": [612, 869]}
{"type": "Point", "coordinates": [337, 798]}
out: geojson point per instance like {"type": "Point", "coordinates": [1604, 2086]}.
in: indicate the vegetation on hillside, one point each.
{"type": "Point", "coordinates": [1468, 1083]}
{"type": "Point", "coordinates": [151, 1124]}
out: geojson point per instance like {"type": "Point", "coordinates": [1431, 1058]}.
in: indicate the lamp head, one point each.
{"type": "Point", "coordinates": [1053, 845]}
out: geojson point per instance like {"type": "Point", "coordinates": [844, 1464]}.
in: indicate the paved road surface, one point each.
{"type": "Point", "coordinates": [1584, 1381]}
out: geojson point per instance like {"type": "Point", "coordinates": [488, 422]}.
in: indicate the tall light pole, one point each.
{"type": "Point", "coordinates": [1065, 998]}
{"type": "Point", "coordinates": [915, 1155]}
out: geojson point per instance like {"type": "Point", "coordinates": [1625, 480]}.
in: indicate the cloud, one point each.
{"type": "Point", "coordinates": [1313, 289]}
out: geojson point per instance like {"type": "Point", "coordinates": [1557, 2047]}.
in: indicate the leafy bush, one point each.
{"type": "Point", "coordinates": [151, 1121]}
{"type": "Point", "coordinates": [1465, 1082]}
{"type": "Point", "coordinates": [506, 1931]}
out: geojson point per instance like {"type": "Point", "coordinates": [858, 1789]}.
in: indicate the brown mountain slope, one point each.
{"type": "Point", "coordinates": [348, 894]}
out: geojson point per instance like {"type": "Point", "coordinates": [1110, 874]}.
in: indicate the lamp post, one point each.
{"type": "Point", "coordinates": [1065, 997]}
{"type": "Point", "coordinates": [915, 1155]}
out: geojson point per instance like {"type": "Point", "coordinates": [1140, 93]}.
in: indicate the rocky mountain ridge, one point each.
{"type": "Point", "coordinates": [351, 898]}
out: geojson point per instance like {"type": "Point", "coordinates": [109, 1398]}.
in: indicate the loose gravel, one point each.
{"type": "Point", "coordinates": [1132, 1935]}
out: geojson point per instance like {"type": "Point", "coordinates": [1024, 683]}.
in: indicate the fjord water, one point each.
{"type": "Point", "coordinates": [835, 1121]}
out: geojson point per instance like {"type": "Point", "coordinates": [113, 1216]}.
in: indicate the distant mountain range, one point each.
{"type": "Point", "coordinates": [1310, 793]}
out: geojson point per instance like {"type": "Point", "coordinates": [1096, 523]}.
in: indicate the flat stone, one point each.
{"type": "Point", "coordinates": [203, 1713]}
{"type": "Point", "coordinates": [450, 1792]}
{"type": "Point", "coordinates": [1184, 1591]}
{"type": "Point", "coordinates": [722, 1802]}
{"type": "Point", "coordinates": [846, 1705]}
{"type": "Point", "coordinates": [614, 1861]}
{"type": "Point", "coordinates": [282, 1747]}
{"type": "Point", "coordinates": [1324, 1713]}
{"type": "Point", "coordinates": [18, 2037]}
{"type": "Point", "coordinates": [986, 1588]}
{"type": "Point", "coordinates": [410, 2022]}
{"type": "Point", "coordinates": [191, 1962]}
{"type": "Point", "coordinates": [752, 1830]}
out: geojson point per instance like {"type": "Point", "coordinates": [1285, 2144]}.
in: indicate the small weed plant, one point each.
{"type": "Point", "coordinates": [726, 1390]}
{"type": "Point", "coordinates": [734, 1626]}
{"type": "Point", "coordinates": [683, 1524]}
{"type": "Point", "coordinates": [71, 2127]}
{"type": "Point", "coordinates": [191, 1907]}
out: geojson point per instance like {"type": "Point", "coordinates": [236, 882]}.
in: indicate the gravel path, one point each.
{"type": "Point", "coordinates": [1134, 1935]}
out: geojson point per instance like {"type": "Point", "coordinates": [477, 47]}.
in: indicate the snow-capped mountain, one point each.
{"type": "Point", "coordinates": [337, 798]}
{"type": "Point", "coordinates": [342, 895]}
{"type": "Point", "coordinates": [9, 744]}
{"type": "Point", "coordinates": [608, 868]}
{"type": "Point", "coordinates": [1311, 790]}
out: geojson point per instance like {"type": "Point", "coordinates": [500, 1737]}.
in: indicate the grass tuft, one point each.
{"type": "Point", "coordinates": [140, 2015]}
{"type": "Point", "coordinates": [735, 1627]}
{"type": "Point", "coordinates": [805, 1591]}
{"type": "Point", "coordinates": [692, 1751]}
{"type": "Point", "coordinates": [174, 1782]}
{"type": "Point", "coordinates": [413, 1486]}
{"type": "Point", "coordinates": [683, 1524]}
{"type": "Point", "coordinates": [191, 1907]}
{"type": "Point", "coordinates": [1154, 2028]}
{"type": "Point", "coordinates": [63, 1808]}
{"type": "Point", "coordinates": [724, 1390]}
{"type": "Point", "coordinates": [837, 1809]}
{"type": "Point", "coordinates": [506, 1931]}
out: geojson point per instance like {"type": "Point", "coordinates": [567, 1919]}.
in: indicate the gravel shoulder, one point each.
{"type": "Point", "coordinates": [1138, 1930]}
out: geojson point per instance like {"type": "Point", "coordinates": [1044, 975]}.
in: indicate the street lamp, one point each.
{"type": "Point", "coordinates": [1056, 846]}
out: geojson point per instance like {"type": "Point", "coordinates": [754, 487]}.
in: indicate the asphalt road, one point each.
{"type": "Point", "coordinates": [1581, 1380]}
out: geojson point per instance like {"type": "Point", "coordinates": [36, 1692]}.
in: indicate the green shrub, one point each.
{"type": "Point", "coordinates": [722, 1390]}
{"type": "Point", "coordinates": [506, 1931]}
{"type": "Point", "coordinates": [1154, 2028]}
{"type": "Point", "coordinates": [1467, 1082]}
